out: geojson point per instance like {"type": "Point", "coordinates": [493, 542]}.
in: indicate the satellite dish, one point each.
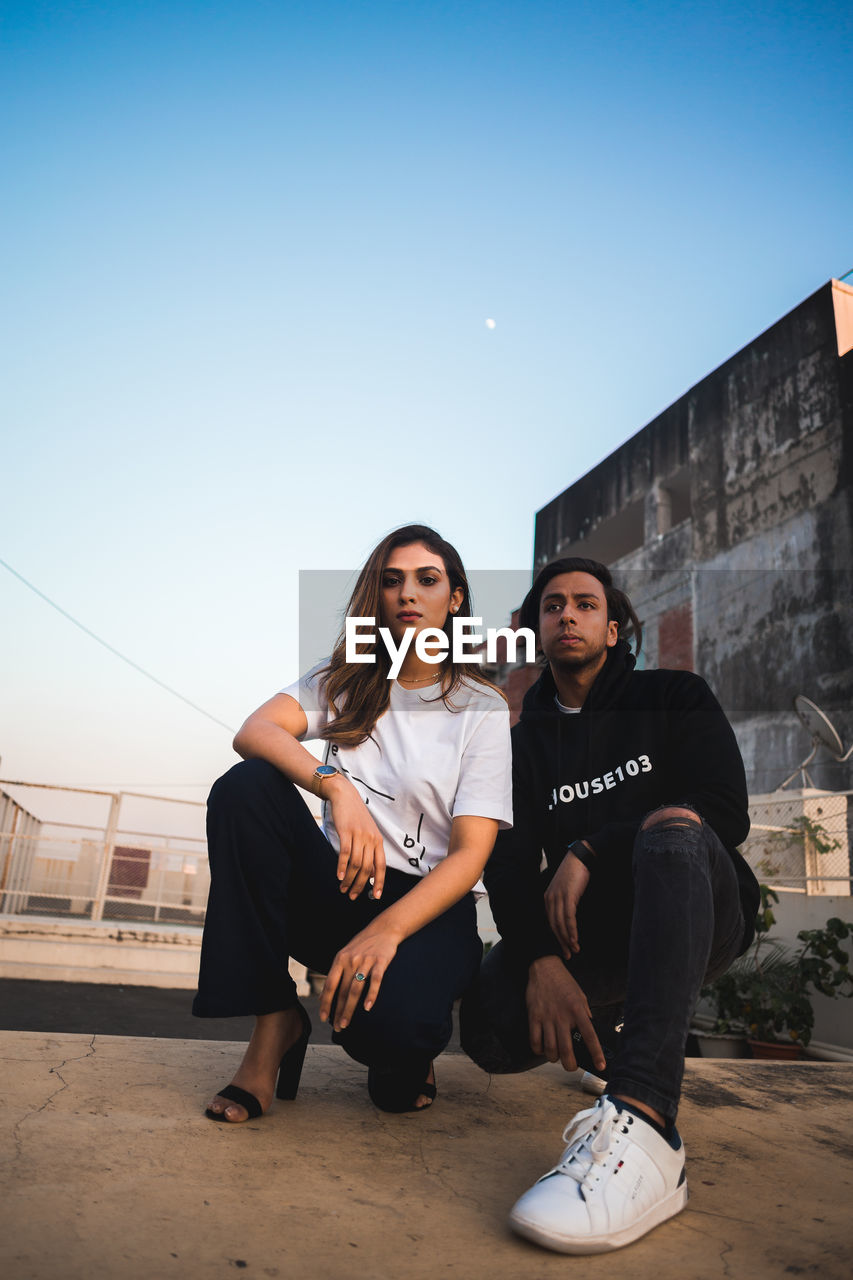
{"type": "Point", "coordinates": [823, 734]}
{"type": "Point", "coordinates": [819, 726]}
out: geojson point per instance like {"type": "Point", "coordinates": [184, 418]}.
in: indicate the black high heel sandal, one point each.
{"type": "Point", "coordinates": [397, 1091]}
{"type": "Point", "coordinates": [287, 1085]}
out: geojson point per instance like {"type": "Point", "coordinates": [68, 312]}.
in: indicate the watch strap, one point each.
{"type": "Point", "coordinates": [583, 854]}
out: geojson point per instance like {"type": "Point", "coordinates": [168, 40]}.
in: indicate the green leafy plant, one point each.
{"type": "Point", "coordinates": [767, 993]}
{"type": "Point", "coordinates": [809, 834]}
{"type": "Point", "coordinates": [814, 835]}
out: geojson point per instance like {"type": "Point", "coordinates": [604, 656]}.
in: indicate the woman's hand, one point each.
{"type": "Point", "coordinates": [357, 970]}
{"type": "Point", "coordinates": [371, 951]}
{"type": "Point", "coordinates": [362, 855]}
{"type": "Point", "coordinates": [272, 733]}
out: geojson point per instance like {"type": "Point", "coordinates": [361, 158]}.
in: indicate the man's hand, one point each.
{"type": "Point", "coordinates": [561, 902]}
{"type": "Point", "coordinates": [556, 1005]}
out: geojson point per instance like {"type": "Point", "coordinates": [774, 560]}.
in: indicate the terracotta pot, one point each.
{"type": "Point", "coordinates": [773, 1049]}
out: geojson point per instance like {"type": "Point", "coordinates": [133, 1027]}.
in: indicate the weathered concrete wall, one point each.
{"type": "Point", "coordinates": [765, 431]}
{"type": "Point", "coordinates": [83, 951]}
{"type": "Point", "coordinates": [732, 511]}
{"type": "Point", "coordinates": [794, 911]}
{"type": "Point", "coordinates": [614, 490]}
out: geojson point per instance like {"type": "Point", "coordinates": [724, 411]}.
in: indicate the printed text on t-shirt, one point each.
{"type": "Point", "coordinates": [605, 782]}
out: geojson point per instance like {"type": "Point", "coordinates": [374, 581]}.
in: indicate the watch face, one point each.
{"type": "Point", "coordinates": [325, 770]}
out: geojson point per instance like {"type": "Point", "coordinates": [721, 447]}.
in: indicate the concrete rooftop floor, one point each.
{"type": "Point", "coordinates": [110, 1169]}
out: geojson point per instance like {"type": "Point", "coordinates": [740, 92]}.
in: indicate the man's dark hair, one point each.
{"type": "Point", "coordinates": [619, 607]}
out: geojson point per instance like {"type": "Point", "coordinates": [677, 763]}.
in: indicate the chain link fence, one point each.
{"type": "Point", "coordinates": [800, 840]}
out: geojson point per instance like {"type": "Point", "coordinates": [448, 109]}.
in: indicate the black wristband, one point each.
{"type": "Point", "coordinates": [583, 854]}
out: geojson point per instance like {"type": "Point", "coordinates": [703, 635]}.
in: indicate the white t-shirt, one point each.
{"type": "Point", "coordinates": [423, 766]}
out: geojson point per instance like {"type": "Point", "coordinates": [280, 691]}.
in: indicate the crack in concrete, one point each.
{"type": "Point", "coordinates": [17, 1136]}
{"type": "Point", "coordinates": [57, 1071]}
{"type": "Point", "coordinates": [440, 1177]}
{"type": "Point", "coordinates": [390, 1131]}
{"type": "Point", "coordinates": [708, 1235]}
{"type": "Point", "coordinates": [727, 1248]}
{"type": "Point", "coordinates": [724, 1217]}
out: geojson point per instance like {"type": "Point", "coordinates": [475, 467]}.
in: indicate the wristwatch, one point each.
{"type": "Point", "coordinates": [320, 773]}
{"type": "Point", "coordinates": [583, 854]}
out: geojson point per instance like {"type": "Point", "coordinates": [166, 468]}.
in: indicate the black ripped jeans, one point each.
{"type": "Point", "coordinates": [650, 943]}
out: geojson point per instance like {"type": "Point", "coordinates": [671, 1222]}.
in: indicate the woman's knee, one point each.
{"type": "Point", "coordinates": [394, 1035]}
{"type": "Point", "coordinates": [252, 812]}
{"type": "Point", "coordinates": [244, 783]}
{"type": "Point", "coordinates": [408, 1024]}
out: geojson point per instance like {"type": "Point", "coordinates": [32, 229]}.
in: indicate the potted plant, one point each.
{"type": "Point", "coordinates": [767, 994]}
{"type": "Point", "coordinates": [715, 1043]}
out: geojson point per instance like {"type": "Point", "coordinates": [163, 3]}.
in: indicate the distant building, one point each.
{"type": "Point", "coordinates": [728, 519]}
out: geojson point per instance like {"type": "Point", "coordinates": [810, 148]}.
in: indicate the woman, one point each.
{"type": "Point", "coordinates": [415, 785]}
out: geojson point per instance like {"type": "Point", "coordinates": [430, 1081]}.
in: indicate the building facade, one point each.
{"type": "Point", "coordinates": [729, 521]}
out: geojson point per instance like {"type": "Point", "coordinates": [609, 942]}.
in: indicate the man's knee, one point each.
{"type": "Point", "coordinates": [493, 1025]}
{"type": "Point", "coordinates": [476, 1025]}
{"type": "Point", "coordinates": [671, 816]}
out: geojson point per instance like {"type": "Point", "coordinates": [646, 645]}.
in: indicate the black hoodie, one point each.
{"type": "Point", "coordinates": [641, 740]}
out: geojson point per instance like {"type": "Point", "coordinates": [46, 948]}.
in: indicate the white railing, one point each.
{"type": "Point", "coordinates": [149, 864]}
{"type": "Point", "coordinates": [144, 858]}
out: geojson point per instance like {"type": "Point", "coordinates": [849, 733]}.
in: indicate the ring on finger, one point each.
{"type": "Point", "coordinates": [359, 977]}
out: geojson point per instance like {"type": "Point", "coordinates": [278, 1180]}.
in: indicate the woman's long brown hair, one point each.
{"type": "Point", "coordinates": [358, 693]}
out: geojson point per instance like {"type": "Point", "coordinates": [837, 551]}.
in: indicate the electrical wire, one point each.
{"type": "Point", "coordinates": [115, 652]}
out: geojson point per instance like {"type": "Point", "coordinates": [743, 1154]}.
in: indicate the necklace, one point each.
{"type": "Point", "coordinates": [418, 679]}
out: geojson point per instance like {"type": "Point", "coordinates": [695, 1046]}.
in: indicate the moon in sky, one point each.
{"type": "Point", "coordinates": [490, 324]}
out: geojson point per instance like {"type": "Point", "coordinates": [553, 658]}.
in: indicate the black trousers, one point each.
{"type": "Point", "coordinates": [648, 940]}
{"type": "Point", "coordinates": [275, 894]}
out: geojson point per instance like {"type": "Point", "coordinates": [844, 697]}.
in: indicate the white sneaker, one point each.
{"type": "Point", "coordinates": [592, 1084]}
{"type": "Point", "coordinates": [586, 1081]}
{"type": "Point", "coordinates": [617, 1179]}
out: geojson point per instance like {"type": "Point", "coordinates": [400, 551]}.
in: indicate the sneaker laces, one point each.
{"type": "Point", "coordinates": [589, 1138]}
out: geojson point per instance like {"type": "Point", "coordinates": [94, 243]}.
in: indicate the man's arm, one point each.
{"type": "Point", "coordinates": [512, 876]}
{"type": "Point", "coordinates": [556, 1005]}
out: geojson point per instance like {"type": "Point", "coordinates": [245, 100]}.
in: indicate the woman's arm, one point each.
{"type": "Point", "coordinates": [271, 733]}
{"type": "Point", "coordinates": [371, 951]}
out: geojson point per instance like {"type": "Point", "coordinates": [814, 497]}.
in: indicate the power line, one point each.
{"type": "Point", "coordinates": [115, 652]}
{"type": "Point", "coordinates": [149, 786]}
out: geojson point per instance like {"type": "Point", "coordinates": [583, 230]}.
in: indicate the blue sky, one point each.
{"type": "Point", "coordinates": [248, 253]}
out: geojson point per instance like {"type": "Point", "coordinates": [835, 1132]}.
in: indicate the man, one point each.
{"type": "Point", "coordinates": [632, 785]}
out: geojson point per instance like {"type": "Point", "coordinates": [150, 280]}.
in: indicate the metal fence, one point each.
{"type": "Point", "coordinates": [144, 858]}
{"type": "Point", "coordinates": [800, 840]}
{"type": "Point", "coordinates": [141, 858]}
